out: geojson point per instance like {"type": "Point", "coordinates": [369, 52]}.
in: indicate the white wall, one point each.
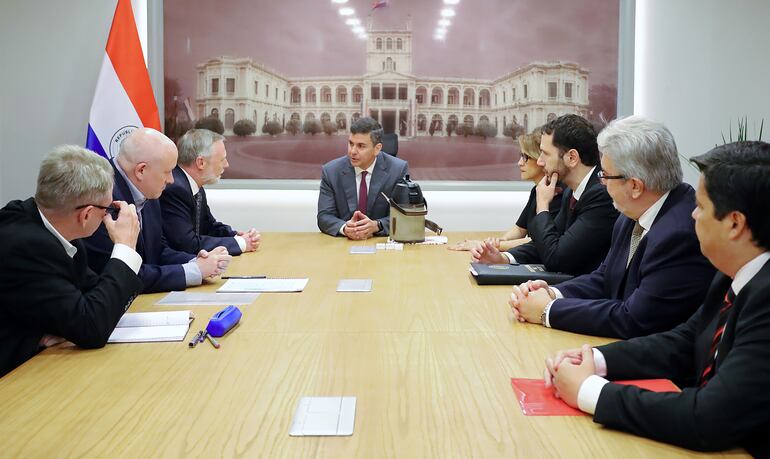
{"type": "Point", "coordinates": [50, 54]}
{"type": "Point", "coordinates": [701, 64]}
{"type": "Point", "coordinates": [295, 210]}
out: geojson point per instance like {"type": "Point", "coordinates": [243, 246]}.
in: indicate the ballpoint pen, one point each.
{"type": "Point", "coordinates": [244, 277]}
{"type": "Point", "coordinates": [214, 342]}
{"type": "Point", "coordinates": [195, 339]}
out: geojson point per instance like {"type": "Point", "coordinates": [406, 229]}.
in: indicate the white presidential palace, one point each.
{"type": "Point", "coordinates": [236, 88]}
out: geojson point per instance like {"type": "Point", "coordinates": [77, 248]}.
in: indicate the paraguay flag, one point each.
{"type": "Point", "coordinates": [379, 4]}
{"type": "Point", "coordinates": [123, 100]}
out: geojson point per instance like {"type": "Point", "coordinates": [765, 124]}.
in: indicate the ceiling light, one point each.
{"type": "Point", "coordinates": [446, 12]}
{"type": "Point", "coordinates": [440, 31]}
{"type": "Point", "coordinates": [352, 21]}
{"type": "Point", "coordinates": [345, 1]}
{"type": "Point", "coordinates": [448, 2]}
{"type": "Point", "coordinates": [362, 36]}
{"type": "Point", "coordinates": [358, 30]}
{"type": "Point", "coordinates": [444, 22]}
{"type": "Point", "coordinates": [439, 37]}
{"type": "Point", "coordinates": [348, 11]}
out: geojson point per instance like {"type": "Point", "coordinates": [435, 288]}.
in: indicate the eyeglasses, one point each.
{"type": "Point", "coordinates": [112, 210]}
{"type": "Point", "coordinates": [603, 176]}
{"type": "Point", "coordinates": [524, 158]}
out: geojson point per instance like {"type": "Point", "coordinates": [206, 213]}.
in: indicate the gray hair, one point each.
{"type": "Point", "coordinates": [71, 176]}
{"type": "Point", "coordinates": [643, 149]}
{"type": "Point", "coordinates": [196, 142]}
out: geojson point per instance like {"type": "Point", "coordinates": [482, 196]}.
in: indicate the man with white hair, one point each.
{"type": "Point", "coordinates": [188, 224]}
{"type": "Point", "coordinates": [654, 276]}
{"type": "Point", "coordinates": [47, 292]}
{"type": "Point", "coordinates": [142, 170]}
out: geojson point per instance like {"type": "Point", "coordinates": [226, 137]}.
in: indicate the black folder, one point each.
{"type": "Point", "coordinates": [514, 274]}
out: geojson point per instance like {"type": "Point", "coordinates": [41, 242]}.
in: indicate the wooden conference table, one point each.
{"type": "Point", "coordinates": [428, 353]}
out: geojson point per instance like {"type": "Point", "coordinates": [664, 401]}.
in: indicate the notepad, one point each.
{"type": "Point", "coordinates": [324, 416]}
{"type": "Point", "coordinates": [141, 327]}
{"type": "Point", "coordinates": [206, 299]}
{"type": "Point", "coordinates": [537, 400]}
{"type": "Point", "coordinates": [354, 285]}
{"type": "Point", "coordinates": [263, 285]}
{"type": "Point", "coordinates": [363, 249]}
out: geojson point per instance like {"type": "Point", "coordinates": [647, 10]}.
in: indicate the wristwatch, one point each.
{"type": "Point", "coordinates": [544, 314]}
{"type": "Point", "coordinates": [379, 226]}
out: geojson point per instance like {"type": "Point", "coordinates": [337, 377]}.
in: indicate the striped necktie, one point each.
{"type": "Point", "coordinates": [198, 205]}
{"type": "Point", "coordinates": [709, 369]}
{"type": "Point", "coordinates": [636, 237]}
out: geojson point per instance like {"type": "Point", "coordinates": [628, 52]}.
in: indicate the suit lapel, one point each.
{"type": "Point", "coordinates": [379, 176]}
{"type": "Point", "coordinates": [349, 185]}
{"type": "Point", "coordinates": [122, 192]}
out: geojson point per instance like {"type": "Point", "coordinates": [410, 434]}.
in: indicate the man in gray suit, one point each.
{"type": "Point", "coordinates": [350, 203]}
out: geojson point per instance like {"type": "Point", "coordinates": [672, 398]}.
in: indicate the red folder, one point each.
{"type": "Point", "coordinates": [537, 400]}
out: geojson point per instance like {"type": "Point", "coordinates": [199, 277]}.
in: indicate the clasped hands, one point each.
{"type": "Point", "coordinates": [360, 226]}
{"type": "Point", "coordinates": [528, 300]}
{"type": "Point", "coordinates": [214, 262]}
{"type": "Point", "coordinates": [566, 371]}
{"type": "Point", "coordinates": [252, 238]}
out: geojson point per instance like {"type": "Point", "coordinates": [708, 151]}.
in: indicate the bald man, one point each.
{"type": "Point", "coordinates": [142, 170]}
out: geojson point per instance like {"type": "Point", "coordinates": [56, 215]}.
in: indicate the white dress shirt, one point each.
{"type": "Point", "coordinates": [645, 221]}
{"type": "Point", "coordinates": [358, 171]}
{"type": "Point", "coordinates": [588, 394]}
{"type": "Point", "coordinates": [195, 188]}
{"type": "Point", "coordinates": [192, 273]}
{"type": "Point", "coordinates": [577, 193]}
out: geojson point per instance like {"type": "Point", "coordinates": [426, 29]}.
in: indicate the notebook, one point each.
{"type": "Point", "coordinates": [514, 274]}
{"type": "Point", "coordinates": [142, 327]}
{"type": "Point", "coordinates": [263, 285]}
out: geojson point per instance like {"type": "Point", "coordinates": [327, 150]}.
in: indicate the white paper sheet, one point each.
{"type": "Point", "coordinates": [207, 299]}
{"type": "Point", "coordinates": [151, 326]}
{"type": "Point", "coordinates": [263, 285]}
{"type": "Point", "coordinates": [324, 416]}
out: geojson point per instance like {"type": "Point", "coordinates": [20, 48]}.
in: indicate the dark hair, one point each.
{"type": "Point", "coordinates": [573, 131]}
{"type": "Point", "coordinates": [737, 178]}
{"type": "Point", "coordinates": [369, 126]}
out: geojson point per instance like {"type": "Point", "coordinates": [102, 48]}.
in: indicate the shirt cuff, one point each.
{"type": "Point", "coordinates": [128, 256]}
{"type": "Point", "coordinates": [192, 274]}
{"type": "Point", "coordinates": [557, 293]}
{"type": "Point", "coordinates": [342, 229]}
{"type": "Point", "coordinates": [241, 242]}
{"type": "Point", "coordinates": [588, 395]}
{"type": "Point", "coordinates": [510, 258]}
{"type": "Point", "coordinates": [600, 365]}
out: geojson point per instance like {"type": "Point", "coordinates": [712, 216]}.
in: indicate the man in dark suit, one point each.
{"type": "Point", "coordinates": [654, 276]}
{"type": "Point", "coordinates": [349, 201]}
{"type": "Point", "coordinates": [188, 224]}
{"type": "Point", "coordinates": [142, 170]}
{"type": "Point", "coordinates": [721, 355]}
{"type": "Point", "coordinates": [578, 238]}
{"type": "Point", "coordinates": [47, 292]}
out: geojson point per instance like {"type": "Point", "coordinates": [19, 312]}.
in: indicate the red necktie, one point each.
{"type": "Point", "coordinates": [727, 304]}
{"type": "Point", "coordinates": [572, 203]}
{"type": "Point", "coordinates": [362, 192]}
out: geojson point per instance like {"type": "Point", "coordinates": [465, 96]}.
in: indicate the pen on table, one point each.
{"type": "Point", "coordinates": [244, 277]}
{"type": "Point", "coordinates": [195, 339]}
{"type": "Point", "coordinates": [214, 342]}
{"type": "Point", "coordinates": [202, 336]}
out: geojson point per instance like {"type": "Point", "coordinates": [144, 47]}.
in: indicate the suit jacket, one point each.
{"type": "Point", "coordinates": [44, 291]}
{"type": "Point", "coordinates": [573, 242]}
{"type": "Point", "coordinates": [662, 287]}
{"type": "Point", "coordinates": [177, 204]}
{"type": "Point", "coordinates": [338, 196]}
{"type": "Point", "coordinates": [161, 269]}
{"type": "Point", "coordinates": [732, 409]}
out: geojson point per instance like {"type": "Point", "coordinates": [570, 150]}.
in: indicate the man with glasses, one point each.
{"type": "Point", "coordinates": [47, 292]}
{"type": "Point", "coordinates": [654, 276]}
{"type": "Point", "coordinates": [577, 239]}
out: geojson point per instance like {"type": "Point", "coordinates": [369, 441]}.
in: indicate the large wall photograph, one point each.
{"type": "Point", "coordinates": [452, 82]}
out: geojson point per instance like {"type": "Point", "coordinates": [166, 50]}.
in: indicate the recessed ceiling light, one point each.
{"type": "Point", "coordinates": [352, 21]}
{"type": "Point", "coordinates": [439, 37]}
{"type": "Point", "coordinates": [450, 2]}
{"type": "Point", "coordinates": [440, 31]}
{"type": "Point", "coordinates": [345, 1]}
{"type": "Point", "coordinates": [347, 11]}
{"type": "Point", "coordinates": [358, 30]}
{"type": "Point", "coordinates": [446, 12]}
{"type": "Point", "coordinates": [444, 22]}
{"type": "Point", "coordinates": [362, 36]}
